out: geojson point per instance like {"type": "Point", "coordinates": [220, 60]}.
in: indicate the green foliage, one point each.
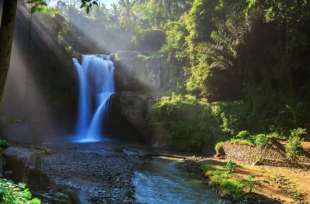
{"type": "Point", "coordinates": [245, 138]}
{"type": "Point", "coordinates": [298, 132]}
{"type": "Point", "coordinates": [3, 143]}
{"type": "Point", "coordinates": [293, 147]}
{"type": "Point", "coordinates": [194, 123]}
{"type": "Point", "coordinates": [175, 38]}
{"type": "Point", "coordinates": [248, 56]}
{"type": "Point", "coordinates": [240, 142]}
{"type": "Point", "coordinates": [41, 6]}
{"type": "Point", "coordinates": [228, 185]}
{"type": "Point", "coordinates": [250, 183]}
{"type": "Point", "coordinates": [11, 193]}
{"type": "Point", "coordinates": [189, 120]}
{"type": "Point", "coordinates": [219, 148]}
{"type": "Point", "coordinates": [243, 135]}
{"type": "Point", "coordinates": [229, 115]}
{"type": "Point", "coordinates": [242, 138]}
{"type": "Point", "coordinates": [230, 166]}
{"type": "Point", "coordinates": [261, 139]}
{"type": "Point", "coordinates": [88, 4]}
{"type": "Point", "coordinates": [37, 5]}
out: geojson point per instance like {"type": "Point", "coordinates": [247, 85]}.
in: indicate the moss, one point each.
{"type": "Point", "coordinates": [240, 142]}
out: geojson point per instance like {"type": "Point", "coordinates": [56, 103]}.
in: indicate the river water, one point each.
{"type": "Point", "coordinates": [161, 182]}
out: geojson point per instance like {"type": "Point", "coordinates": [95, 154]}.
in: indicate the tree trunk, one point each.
{"type": "Point", "coordinates": [6, 38]}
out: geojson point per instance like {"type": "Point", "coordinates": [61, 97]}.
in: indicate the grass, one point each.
{"type": "Point", "coordinates": [261, 182]}
{"type": "Point", "coordinates": [221, 178]}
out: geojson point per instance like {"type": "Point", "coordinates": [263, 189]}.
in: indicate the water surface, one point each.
{"type": "Point", "coordinates": [161, 182]}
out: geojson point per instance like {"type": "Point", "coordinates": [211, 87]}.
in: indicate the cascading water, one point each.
{"type": "Point", "coordinates": [96, 86]}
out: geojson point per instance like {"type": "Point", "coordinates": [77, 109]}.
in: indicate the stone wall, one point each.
{"type": "Point", "coordinates": [272, 154]}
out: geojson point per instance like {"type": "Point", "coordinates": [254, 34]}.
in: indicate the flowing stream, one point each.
{"type": "Point", "coordinates": [161, 182]}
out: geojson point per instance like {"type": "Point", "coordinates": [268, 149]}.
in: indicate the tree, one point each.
{"type": "Point", "coordinates": [6, 38]}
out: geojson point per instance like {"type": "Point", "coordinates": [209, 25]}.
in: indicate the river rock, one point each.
{"type": "Point", "coordinates": [95, 173]}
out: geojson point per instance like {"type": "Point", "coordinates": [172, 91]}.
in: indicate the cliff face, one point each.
{"type": "Point", "coordinates": [140, 80]}
{"type": "Point", "coordinates": [138, 73]}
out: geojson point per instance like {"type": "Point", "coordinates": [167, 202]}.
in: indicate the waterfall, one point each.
{"type": "Point", "coordinates": [96, 86]}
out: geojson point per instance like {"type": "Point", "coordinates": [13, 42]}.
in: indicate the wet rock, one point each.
{"type": "Point", "coordinates": [134, 107]}
{"type": "Point", "coordinates": [191, 167]}
{"type": "Point", "coordinates": [24, 164]}
{"type": "Point", "coordinates": [137, 110]}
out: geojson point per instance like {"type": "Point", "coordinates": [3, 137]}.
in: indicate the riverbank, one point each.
{"type": "Point", "coordinates": [75, 173]}
{"type": "Point", "coordinates": [112, 172]}
{"type": "Point", "coordinates": [252, 184]}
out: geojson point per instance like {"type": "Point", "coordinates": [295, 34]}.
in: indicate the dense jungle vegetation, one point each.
{"type": "Point", "coordinates": [238, 65]}
{"type": "Point", "coordinates": [241, 65]}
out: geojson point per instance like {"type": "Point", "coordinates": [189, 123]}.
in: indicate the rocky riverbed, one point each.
{"type": "Point", "coordinates": [76, 173]}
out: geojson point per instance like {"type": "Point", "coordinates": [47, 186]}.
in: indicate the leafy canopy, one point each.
{"type": "Point", "coordinates": [41, 5]}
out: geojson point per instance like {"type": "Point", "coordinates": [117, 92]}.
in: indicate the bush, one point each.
{"type": "Point", "coordinates": [240, 142]}
{"type": "Point", "coordinates": [261, 139]}
{"type": "Point", "coordinates": [3, 144]}
{"type": "Point", "coordinates": [293, 147]}
{"type": "Point", "coordinates": [11, 193]}
{"type": "Point", "coordinates": [219, 148]}
{"type": "Point", "coordinates": [298, 132]}
{"type": "Point", "coordinates": [189, 121]}
{"type": "Point", "coordinates": [230, 166]}
{"type": "Point", "coordinates": [244, 135]}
